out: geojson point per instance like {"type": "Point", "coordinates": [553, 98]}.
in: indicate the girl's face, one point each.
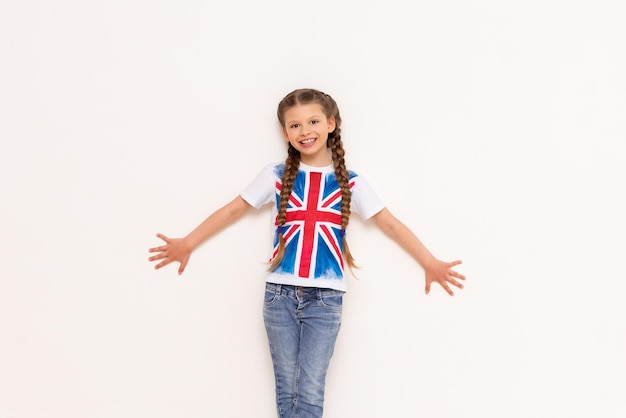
{"type": "Point", "coordinates": [306, 129]}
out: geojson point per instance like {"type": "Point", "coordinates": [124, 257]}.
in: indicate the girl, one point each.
{"type": "Point", "coordinates": [314, 195]}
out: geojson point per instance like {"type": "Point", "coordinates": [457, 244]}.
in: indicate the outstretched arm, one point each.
{"type": "Point", "coordinates": [435, 270]}
{"type": "Point", "coordinates": [179, 249]}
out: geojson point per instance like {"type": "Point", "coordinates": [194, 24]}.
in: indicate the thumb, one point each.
{"type": "Point", "coordinates": [183, 264]}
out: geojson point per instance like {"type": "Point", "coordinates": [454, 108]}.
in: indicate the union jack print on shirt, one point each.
{"type": "Point", "coordinates": [312, 230]}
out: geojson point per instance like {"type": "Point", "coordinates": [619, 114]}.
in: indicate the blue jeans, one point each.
{"type": "Point", "coordinates": [302, 325]}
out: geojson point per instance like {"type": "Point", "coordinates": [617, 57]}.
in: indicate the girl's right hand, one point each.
{"type": "Point", "coordinates": [175, 249]}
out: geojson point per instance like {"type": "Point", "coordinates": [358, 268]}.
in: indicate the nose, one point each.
{"type": "Point", "coordinates": [305, 130]}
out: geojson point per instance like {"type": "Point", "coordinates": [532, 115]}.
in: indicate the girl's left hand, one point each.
{"type": "Point", "coordinates": [441, 272]}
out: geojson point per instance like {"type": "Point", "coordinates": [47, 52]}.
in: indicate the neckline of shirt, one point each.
{"type": "Point", "coordinates": [325, 169]}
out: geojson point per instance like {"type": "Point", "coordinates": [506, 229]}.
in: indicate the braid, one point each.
{"type": "Point", "coordinates": [342, 175]}
{"type": "Point", "coordinates": [289, 176]}
{"type": "Point", "coordinates": [343, 179]}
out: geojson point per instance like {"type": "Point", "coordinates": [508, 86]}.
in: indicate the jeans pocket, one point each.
{"type": "Point", "coordinates": [270, 297]}
{"type": "Point", "coordinates": [332, 301]}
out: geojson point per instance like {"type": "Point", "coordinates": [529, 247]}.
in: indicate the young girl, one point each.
{"type": "Point", "coordinates": [314, 195]}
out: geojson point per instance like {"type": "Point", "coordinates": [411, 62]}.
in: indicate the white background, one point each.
{"type": "Point", "coordinates": [495, 129]}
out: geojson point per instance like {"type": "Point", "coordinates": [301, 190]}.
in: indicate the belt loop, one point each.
{"type": "Point", "coordinates": [278, 289]}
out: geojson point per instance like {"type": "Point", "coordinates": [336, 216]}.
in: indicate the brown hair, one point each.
{"type": "Point", "coordinates": [329, 106]}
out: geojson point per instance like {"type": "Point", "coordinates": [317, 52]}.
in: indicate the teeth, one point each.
{"type": "Point", "coordinates": [307, 141]}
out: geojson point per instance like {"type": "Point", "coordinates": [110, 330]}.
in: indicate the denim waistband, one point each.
{"type": "Point", "coordinates": [289, 290]}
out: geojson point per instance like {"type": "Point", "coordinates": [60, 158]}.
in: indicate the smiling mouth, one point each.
{"type": "Point", "coordinates": [308, 141]}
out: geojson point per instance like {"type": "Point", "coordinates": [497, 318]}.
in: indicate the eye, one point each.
{"type": "Point", "coordinates": [315, 122]}
{"type": "Point", "coordinates": [294, 126]}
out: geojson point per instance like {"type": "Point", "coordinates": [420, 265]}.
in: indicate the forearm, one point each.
{"type": "Point", "coordinates": [403, 236]}
{"type": "Point", "coordinates": [217, 221]}
{"type": "Point", "coordinates": [435, 270]}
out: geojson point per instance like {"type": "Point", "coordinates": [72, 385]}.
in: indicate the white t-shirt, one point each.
{"type": "Point", "coordinates": [312, 232]}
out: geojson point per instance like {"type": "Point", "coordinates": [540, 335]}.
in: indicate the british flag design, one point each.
{"type": "Point", "coordinates": [312, 230]}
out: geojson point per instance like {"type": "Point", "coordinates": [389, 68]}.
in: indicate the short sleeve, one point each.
{"type": "Point", "coordinates": [262, 189]}
{"type": "Point", "coordinates": [365, 201]}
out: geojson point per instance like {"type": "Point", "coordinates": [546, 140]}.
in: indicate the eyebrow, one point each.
{"type": "Point", "coordinates": [295, 121]}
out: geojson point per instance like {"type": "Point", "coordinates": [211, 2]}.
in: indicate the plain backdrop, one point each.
{"type": "Point", "coordinates": [496, 130]}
